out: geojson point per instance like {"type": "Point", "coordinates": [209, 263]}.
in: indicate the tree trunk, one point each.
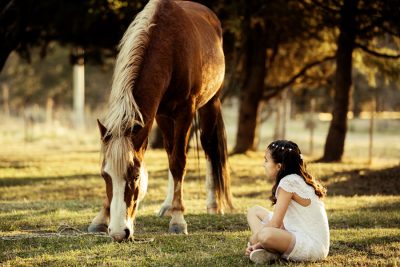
{"type": "Point", "coordinates": [13, 21]}
{"type": "Point", "coordinates": [334, 145]}
{"type": "Point", "coordinates": [4, 53]}
{"type": "Point", "coordinates": [252, 91]}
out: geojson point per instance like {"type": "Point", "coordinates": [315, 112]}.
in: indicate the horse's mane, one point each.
{"type": "Point", "coordinates": [123, 111]}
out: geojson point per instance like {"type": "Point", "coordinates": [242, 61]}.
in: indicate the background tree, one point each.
{"type": "Point", "coordinates": [95, 26]}
{"type": "Point", "coordinates": [360, 25]}
{"type": "Point", "coordinates": [268, 31]}
{"type": "Point", "coordinates": [269, 46]}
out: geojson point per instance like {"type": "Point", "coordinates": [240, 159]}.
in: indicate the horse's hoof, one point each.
{"type": "Point", "coordinates": [214, 210]}
{"type": "Point", "coordinates": [164, 210]}
{"type": "Point", "coordinates": [178, 228]}
{"type": "Point", "coordinates": [96, 228]}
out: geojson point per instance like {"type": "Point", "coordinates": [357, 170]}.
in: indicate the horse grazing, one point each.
{"type": "Point", "coordinates": [170, 66]}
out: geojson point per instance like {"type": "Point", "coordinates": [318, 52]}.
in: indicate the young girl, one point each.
{"type": "Point", "coordinates": [298, 228]}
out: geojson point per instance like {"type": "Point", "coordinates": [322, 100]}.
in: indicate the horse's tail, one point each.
{"type": "Point", "coordinates": [213, 139]}
{"type": "Point", "coordinates": [222, 178]}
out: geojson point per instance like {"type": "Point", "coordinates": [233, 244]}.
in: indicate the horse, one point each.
{"type": "Point", "coordinates": [170, 67]}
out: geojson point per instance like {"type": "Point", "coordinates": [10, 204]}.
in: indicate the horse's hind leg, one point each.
{"type": "Point", "coordinates": [100, 222]}
{"type": "Point", "coordinates": [213, 140]}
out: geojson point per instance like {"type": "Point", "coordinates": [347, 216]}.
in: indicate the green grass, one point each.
{"type": "Point", "coordinates": [53, 182]}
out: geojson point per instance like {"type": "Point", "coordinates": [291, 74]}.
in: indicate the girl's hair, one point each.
{"type": "Point", "coordinates": [288, 154]}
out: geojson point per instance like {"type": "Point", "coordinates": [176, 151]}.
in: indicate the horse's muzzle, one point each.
{"type": "Point", "coordinates": [121, 236]}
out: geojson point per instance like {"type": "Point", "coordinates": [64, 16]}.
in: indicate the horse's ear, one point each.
{"type": "Point", "coordinates": [103, 131]}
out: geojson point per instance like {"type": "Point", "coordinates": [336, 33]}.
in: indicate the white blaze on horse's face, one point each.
{"type": "Point", "coordinates": [127, 191]}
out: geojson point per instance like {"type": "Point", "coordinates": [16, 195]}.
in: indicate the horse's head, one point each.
{"type": "Point", "coordinates": [126, 181]}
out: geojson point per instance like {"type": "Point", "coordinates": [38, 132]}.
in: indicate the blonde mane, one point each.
{"type": "Point", "coordinates": [123, 110]}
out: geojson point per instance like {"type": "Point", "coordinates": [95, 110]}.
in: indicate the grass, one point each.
{"type": "Point", "coordinates": [55, 181]}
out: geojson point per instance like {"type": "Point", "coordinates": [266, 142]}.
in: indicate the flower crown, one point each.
{"type": "Point", "coordinates": [275, 146]}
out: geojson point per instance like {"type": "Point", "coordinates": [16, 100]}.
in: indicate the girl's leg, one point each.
{"type": "Point", "coordinates": [257, 217]}
{"type": "Point", "coordinates": [276, 240]}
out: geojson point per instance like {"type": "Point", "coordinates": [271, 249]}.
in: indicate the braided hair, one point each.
{"type": "Point", "coordinates": [288, 154]}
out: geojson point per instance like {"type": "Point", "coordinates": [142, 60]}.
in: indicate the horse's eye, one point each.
{"type": "Point", "coordinates": [132, 172]}
{"type": "Point", "coordinates": [136, 128]}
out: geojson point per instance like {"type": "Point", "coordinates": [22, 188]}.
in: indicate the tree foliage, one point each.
{"type": "Point", "coordinates": [301, 44]}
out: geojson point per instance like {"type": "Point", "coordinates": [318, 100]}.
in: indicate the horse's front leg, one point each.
{"type": "Point", "coordinates": [101, 221]}
{"type": "Point", "coordinates": [166, 126]}
{"type": "Point", "coordinates": [177, 165]}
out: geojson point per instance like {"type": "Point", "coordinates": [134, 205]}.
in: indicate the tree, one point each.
{"type": "Point", "coordinates": [95, 26]}
{"type": "Point", "coordinates": [360, 24]}
{"type": "Point", "coordinates": [274, 40]}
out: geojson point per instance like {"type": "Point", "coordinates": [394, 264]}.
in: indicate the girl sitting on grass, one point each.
{"type": "Point", "coordinates": [298, 228]}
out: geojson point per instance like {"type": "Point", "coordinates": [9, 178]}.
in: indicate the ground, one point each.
{"type": "Point", "coordinates": [53, 181]}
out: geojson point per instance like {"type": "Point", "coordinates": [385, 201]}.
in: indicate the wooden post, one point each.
{"type": "Point", "coordinates": [284, 113]}
{"type": "Point", "coordinates": [6, 100]}
{"type": "Point", "coordinates": [278, 118]}
{"type": "Point", "coordinates": [371, 130]}
{"type": "Point", "coordinates": [78, 87]}
{"type": "Point", "coordinates": [257, 132]}
{"type": "Point", "coordinates": [312, 125]}
{"type": "Point", "coordinates": [49, 111]}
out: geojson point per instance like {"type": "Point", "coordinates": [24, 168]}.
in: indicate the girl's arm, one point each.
{"type": "Point", "coordinates": [281, 206]}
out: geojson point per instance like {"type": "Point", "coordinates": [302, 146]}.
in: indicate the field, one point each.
{"type": "Point", "coordinates": [52, 183]}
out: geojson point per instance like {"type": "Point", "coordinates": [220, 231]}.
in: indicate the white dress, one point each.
{"type": "Point", "coordinates": [308, 224]}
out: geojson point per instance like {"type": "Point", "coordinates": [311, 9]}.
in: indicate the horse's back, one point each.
{"type": "Point", "coordinates": [202, 16]}
{"type": "Point", "coordinates": [184, 62]}
{"type": "Point", "coordinates": [209, 32]}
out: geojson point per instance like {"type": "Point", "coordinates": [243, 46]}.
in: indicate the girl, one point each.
{"type": "Point", "coordinates": [298, 228]}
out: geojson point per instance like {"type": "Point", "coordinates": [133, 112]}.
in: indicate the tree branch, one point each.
{"type": "Point", "coordinates": [387, 30]}
{"type": "Point", "coordinates": [7, 7]}
{"type": "Point", "coordinates": [375, 53]}
{"type": "Point", "coordinates": [325, 7]}
{"type": "Point", "coordinates": [375, 23]}
{"type": "Point", "coordinates": [274, 90]}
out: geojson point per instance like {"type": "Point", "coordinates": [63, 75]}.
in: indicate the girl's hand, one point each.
{"type": "Point", "coordinates": [250, 248]}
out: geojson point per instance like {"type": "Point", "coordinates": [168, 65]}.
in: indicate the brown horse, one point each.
{"type": "Point", "coordinates": [170, 65]}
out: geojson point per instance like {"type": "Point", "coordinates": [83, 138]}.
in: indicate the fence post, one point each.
{"type": "Point", "coordinates": [371, 130]}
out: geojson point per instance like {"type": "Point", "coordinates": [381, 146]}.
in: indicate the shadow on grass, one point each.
{"type": "Point", "coordinates": [12, 181]}
{"type": "Point", "coordinates": [14, 164]}
{"type": "Point", "coordinates": [362, 245]}
{"type": "Point", "coordinates": [364, 182]}
{"type": "Point", "coordinates": [381, 215]}
{"type": "Point", "coordinates": [190, 175]}
{"type": "Point", "coordinates": [196, 223]}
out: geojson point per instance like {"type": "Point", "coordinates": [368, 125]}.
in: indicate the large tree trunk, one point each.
{"type": "Point", "coordinates": [13, 20]}
{"type": "Point", "coordinates": [4, 53]}
{"type": "Point", "coordinates": [334, 145]}
{"type": "Point", "coordinates": [252, 91]}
